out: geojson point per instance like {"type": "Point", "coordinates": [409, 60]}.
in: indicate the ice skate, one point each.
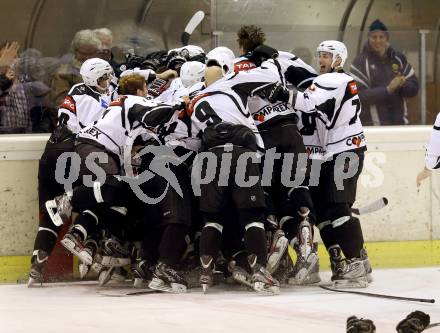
{"type": "Point", "coordinates": [113, 254]}
{"type": "Point", "coordinates": [306, 270]}
{"type": "Point", "coordinates": [346, 273]}
{"type": "Point", "coordinates": [39, 259]}
{"type": "Point", "coordinates": [367, 265]}
{"type": "Point", "coordinates": [240, 275]}
{"type": "Point", "coordinates": [262, 281]}
{"type": "Point", "coordinates": [74, 245]}
{"type": "Point", "coordinates": [277, 250]}
{"type": "Point", "coordinates": [142, 273]}
{"type": "Point", "coordinates": [207, 272]}
{"type": "Point", "coordinates": [167, 279]}
{"type": "Point", "coordinates": [60, 208]}
{"type": "Point", "coordinates": [83, 268]}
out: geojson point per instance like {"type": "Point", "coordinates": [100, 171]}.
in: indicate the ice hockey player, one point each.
{"type": "Point", "coordinates": [277, 124]}
{"type": "Point", "coordinates": [334, 138]}
{"type": "Point", "coordinates": [220, 116]}
{"type": "Point", "coordinates": [432, 158]}
{"type": "Point", "coordinates": [331, 129]}
{"type": "Point", "coordinates": [84, 104]}
{"type": "Point", "coordinates": [128, 117]}
{"type": "Point", "coordinates": [248, 38]}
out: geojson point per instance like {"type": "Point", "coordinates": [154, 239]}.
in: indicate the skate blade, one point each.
{"type": "Point", "coordinates": [34, 283]}
{"type": "Point", "coordinates": [242, 279]}
{"type": "Point", "coordinates": [83, 270]}
{"type": "Point", "coordinates": [174, 288]}
{"type": "Point", "coordinates": [205, 288]}
{"type": "Point", "coordinates": [105, 276]}
{"type": "Point", "coordinates": [109, 261]}
{"type": "Point", "coordinates": [274, 260]}
{"type": "Point", "coordinates": [305, 275]}
{"type": "Point", "coordinates": [369, 278]}
{"type": "Point", "coordinates": [139, 283]}
{"type": "Point", "coordinates": [263, 289]}
{"type": "Point", "coordinates": [52, 210]}
{"type": "Point", "coordinates": [350, 283]}
{"type": "Point", "coordinates": [85, 257]}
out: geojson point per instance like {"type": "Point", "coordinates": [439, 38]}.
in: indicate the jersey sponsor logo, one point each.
{"type": "Point", "coordinates": [314, 150]}
{"type": "Point", "coordinates": [93, 131]}
{"type": "Point", "coordinates": [244, 65]}
{"type": "Point", "coordinates": [353, 87]}
{"type": "Point", "coordinates": [69, 104]}
{"type": "Point", "coordinates": [355, 140]}
{"type": "Point", "coordinates": [268, 109]}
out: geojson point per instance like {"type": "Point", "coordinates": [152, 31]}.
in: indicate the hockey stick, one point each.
{"type": "Point", "coordinates": [371, 207]}
{"type": "Point", "coordinates": [195, 20]}
{"type": "Point", "coordinates": [432, 325]}
{"type": "Point", "coordinates": [423, 300]}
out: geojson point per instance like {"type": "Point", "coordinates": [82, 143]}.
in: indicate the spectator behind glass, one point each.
{"type": "Point", "coordinates": [385, 78]}
{"type": "Point", "coordinates": [20, 95]}
{"type": "Point", "coordinates": [85, 45]}
{"type": "Point", "coordinates": [105, 35]}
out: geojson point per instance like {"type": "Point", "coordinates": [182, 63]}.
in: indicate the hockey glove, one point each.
{"type": "Point", "coordinates": [261, 53]}
{"type": "Point", "coordinates": [360, 325]}
{"type": "Point", "coordinates": [157, 87]}
{"type": "Point", "coordinates": [279, 93]}
{"type": "Point", "coordinates": [415, 322]}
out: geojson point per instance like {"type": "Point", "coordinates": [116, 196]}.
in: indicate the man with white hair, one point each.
{"type": "Point", "coordinates": [85, 45]}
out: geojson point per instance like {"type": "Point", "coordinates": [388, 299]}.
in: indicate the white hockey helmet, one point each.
{"type": "Point", "coordinates": [221, 59]}
{"type": "Point", "coordinates": [192, 72]}
{"type": "Point", "coordinates": [222, 49]}
{"type": "Point", "coordinates": [336, 48]}
{"type": "Point", "coordinates": [94, 69]}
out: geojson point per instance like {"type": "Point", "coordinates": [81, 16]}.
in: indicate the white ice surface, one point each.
{"type": "Point", "coordinates": [78, 308]}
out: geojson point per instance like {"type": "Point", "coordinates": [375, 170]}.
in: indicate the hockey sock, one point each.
{"type": "Point", "coordinates": [255, 241]}
{"type": "Point", "coordinates": [111, 192]}
{"type": "Point", "coordinates": [85, 224]}
{"type": "Point", "coordinates": [255, 234]}
{"type": "Point", "coordinates": [211, 237]}
{"type": "Point", "coordinates": [47, 234]}
{"type": "Point", "coordinates": [328, 236]}
{"type": "Point", "coordinates": [173, 245]}
{"type": "Point", "coordinates": [290, 227]}
{"type": "Point", "coordinates": [350, 238]}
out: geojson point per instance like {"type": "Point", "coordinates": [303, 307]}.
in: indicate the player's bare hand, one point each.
{"type": "Point", "coordinates": [167, 75]}
{"type": "Point", "coordinates": [425, 173]}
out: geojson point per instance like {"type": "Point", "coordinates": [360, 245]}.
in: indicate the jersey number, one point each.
{"type": "Point", "coordinates": [205, 114]}
{"type": "Point", "coordinates": [309, 123]}
{"type": "Point", "coordinates": [356, 102]}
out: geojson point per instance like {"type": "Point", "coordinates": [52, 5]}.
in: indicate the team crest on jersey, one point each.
{"type": "Point", "coordinates": [118, 102]}
{"type": "Point", "coordinates": [353, 87]}
{"type": "Point", "coordinates": [69, 104]}
{"type": "Point", "coordinates": [104, 103]}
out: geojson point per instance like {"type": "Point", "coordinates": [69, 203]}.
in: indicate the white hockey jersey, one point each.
{"type": "Point", "coordinates": [226, 100]}
{"type": "Point", "coordinates": [293, 72]}
{"type": "Point", "coordinates": [81, 107]}
{"type": "Point", "coordinates": [329, 116]}
{"type": "Point", "coordinates": [433, 147]}
{"type": "Point", "coordinates": [127, 118]}
{"type": "Point", "coordinates": [174, 93]}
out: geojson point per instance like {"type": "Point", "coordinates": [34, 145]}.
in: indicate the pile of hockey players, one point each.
{"type": "Point", "coordinates": [162, 175]}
